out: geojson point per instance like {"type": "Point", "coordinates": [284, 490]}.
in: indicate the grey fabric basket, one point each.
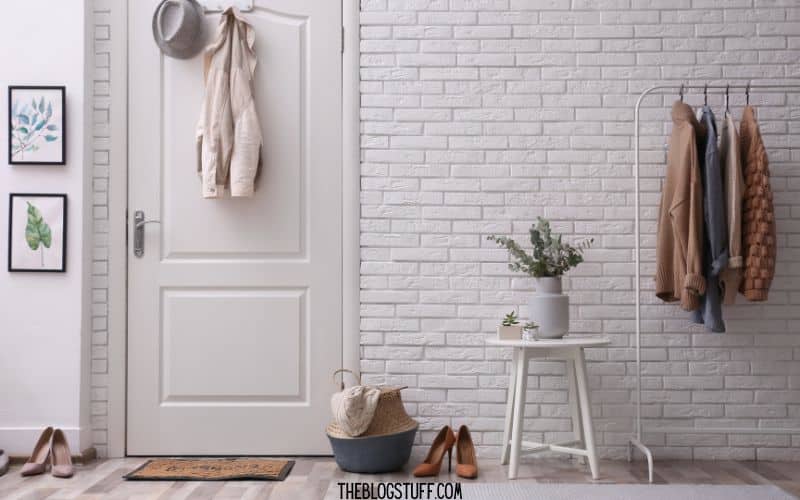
{"type": "Point", "coordinates": [373, 454]}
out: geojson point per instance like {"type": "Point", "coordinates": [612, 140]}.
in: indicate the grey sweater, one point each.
{"type": "Point", "coordinates": [715, 230]}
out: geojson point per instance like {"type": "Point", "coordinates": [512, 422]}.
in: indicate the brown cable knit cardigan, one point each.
{"type": "Point", "coordinates": [758, 221]}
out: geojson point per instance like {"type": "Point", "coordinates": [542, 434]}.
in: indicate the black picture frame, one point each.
{"type": "Point", "coordinates": [11, 230]}
{"type": "Point", "coordinates": [63, 90]}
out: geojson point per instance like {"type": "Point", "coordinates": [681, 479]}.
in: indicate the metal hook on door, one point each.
{"type": "Point", "coordinates": [211, 6]}
{"type": "Point", "coordinates": [705, 95]}
{"type": "Point", "coordinates": [747, 93]}
{"type": "Point", "coordinates": [681, 92]}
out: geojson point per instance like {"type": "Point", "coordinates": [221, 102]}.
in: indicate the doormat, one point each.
{"type": "Point", "coordinates": [212, 469]}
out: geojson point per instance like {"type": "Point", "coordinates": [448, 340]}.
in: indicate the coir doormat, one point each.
{"type": "Point", "coordinates": [212, 469]}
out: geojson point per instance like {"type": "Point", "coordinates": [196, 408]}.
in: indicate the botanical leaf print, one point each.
{"type": "Point", "coordinates": [31, 127]}
{"type": "Point", "coordinates": [37, 232]}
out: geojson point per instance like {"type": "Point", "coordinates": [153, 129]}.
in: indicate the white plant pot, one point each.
{"type": "Point", "coordinates": [549, 308]}
{"type": "Point", "coordinates": [513, 332]}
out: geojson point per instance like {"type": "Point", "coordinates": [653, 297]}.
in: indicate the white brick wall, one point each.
{"type": "Point", "coordinates": [100, 175]}
{"type": "Point", "coordinates": [479, 115]}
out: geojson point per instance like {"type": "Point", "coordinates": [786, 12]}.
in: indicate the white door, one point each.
{"type": "Point", "coordinates": [234, 320]}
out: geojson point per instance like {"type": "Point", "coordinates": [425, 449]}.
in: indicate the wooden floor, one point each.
{"type": "Point", "coordinates": [311, 477]}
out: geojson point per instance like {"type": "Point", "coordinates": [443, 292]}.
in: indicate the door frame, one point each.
{"type": "Point", "coordinates": [118, 214]}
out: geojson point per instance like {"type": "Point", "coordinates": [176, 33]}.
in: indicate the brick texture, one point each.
{"type": "Point", "coordinates": [478, 116]}
{"type": "Point", "coordinates": [101, 149]}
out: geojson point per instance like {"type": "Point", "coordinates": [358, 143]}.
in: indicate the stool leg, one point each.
{"type": "Point", "coordinates": [586, 411]}
{"type": "Point", "coordinates": [512, 383]}
{"type": "Point", "coordinates": [519, 412]}
{"type": "Point", "coordinates": [574, 406]}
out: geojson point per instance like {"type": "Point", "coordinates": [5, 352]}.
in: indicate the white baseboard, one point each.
{"type": "Point", "coordinates": [19, 441]}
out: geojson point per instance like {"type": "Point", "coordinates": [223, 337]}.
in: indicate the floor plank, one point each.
{"type": "Point", "coordinates": [311, 477]}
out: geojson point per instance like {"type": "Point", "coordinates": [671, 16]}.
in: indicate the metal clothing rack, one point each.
{"type": "Point", "coordinates": [636, 438]}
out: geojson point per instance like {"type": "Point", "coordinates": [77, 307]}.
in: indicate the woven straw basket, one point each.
{"type": "Point", "coordinates": [390, 417]}
{"type": "Point", "coordinates": [385, 446]}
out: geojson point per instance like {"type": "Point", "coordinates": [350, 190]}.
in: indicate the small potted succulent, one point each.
{"type": "Point", "coordinates": [550, 259]}
{"type": "Point", "coordinates": [529, 330]}
{"type": "Point", "coordinates": [510, 329]}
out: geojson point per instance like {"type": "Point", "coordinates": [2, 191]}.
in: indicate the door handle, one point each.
{"type": "Point", "coordinates": [139, 222]}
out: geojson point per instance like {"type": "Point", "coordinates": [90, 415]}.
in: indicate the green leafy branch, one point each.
{"type": "Point", "coordinates": [30, 124]}
{"type": "Point", "coordinates": [550, 257]}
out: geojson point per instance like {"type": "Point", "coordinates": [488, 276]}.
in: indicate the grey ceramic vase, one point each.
{"type": "Point", "coordinates": [549, 308]}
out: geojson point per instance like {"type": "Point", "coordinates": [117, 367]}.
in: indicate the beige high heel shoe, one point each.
{"type": "Point", "coordinates": [60, 457]}
{"type": "Point", "coordinates": [37, 464]}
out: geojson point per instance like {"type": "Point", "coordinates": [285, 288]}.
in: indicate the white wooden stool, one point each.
{"type": "Point", "coordinates": [569, 350]}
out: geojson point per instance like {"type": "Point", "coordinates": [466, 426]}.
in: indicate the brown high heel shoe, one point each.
{"type": "Point", "coordinates": [37, 464]}
{"type": "Point", "coordinates": [60, 457]}
{"type": "Point", "coordinates": [466, 463]}
{"type": "Point", "coordinates": [433, 462]}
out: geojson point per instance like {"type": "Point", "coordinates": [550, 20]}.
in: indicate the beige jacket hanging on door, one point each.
{"type": "Point", "coordinates": [228, 133]}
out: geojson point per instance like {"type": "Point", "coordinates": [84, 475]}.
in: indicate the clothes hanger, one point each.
{"type": "Point", "coordinates": [747, 94]}
{"type": "Point", "coordinates": [681, 92]}
{"type": "Point", "coordinates": [705, 95]}
{"type": "Point", "coordinates": [727, 98]}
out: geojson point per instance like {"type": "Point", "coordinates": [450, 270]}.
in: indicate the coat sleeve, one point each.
{"type": "Point", "coordinates": [717, 228]}
{"type": "Point", "coordinates": [214, 116]}
{"type": "Point", "coordinates": [694, 283]}
{"type": "Point", "coordinates": [246, 152]}
{"type": "Point", "coordinates": [734, 193]}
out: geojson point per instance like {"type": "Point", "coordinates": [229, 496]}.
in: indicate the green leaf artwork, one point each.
{"type": "Point", "coordinates": [31, 127]}
{"type": "Point", "coordinates": [37, 232]}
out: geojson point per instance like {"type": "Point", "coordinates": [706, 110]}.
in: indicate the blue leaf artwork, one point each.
{"type": "Point", "coordinates": [32, 126]}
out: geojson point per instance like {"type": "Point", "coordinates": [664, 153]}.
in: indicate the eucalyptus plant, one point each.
{"type": "Point", "coordinates": [550, 257]}
{"type": "Point", "coordinates": [30, 126]}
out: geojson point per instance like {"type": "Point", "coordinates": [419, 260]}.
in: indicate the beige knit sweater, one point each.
{"type": "Point", "coordinates": [679, 244]}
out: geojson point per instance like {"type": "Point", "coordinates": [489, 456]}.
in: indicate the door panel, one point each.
{"type": "Point", "coordinates": [281, 97]}
{"type": "Point", "coordinates": [252, 366]}
{"type": "Point", "coordinates": [235, 307]}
